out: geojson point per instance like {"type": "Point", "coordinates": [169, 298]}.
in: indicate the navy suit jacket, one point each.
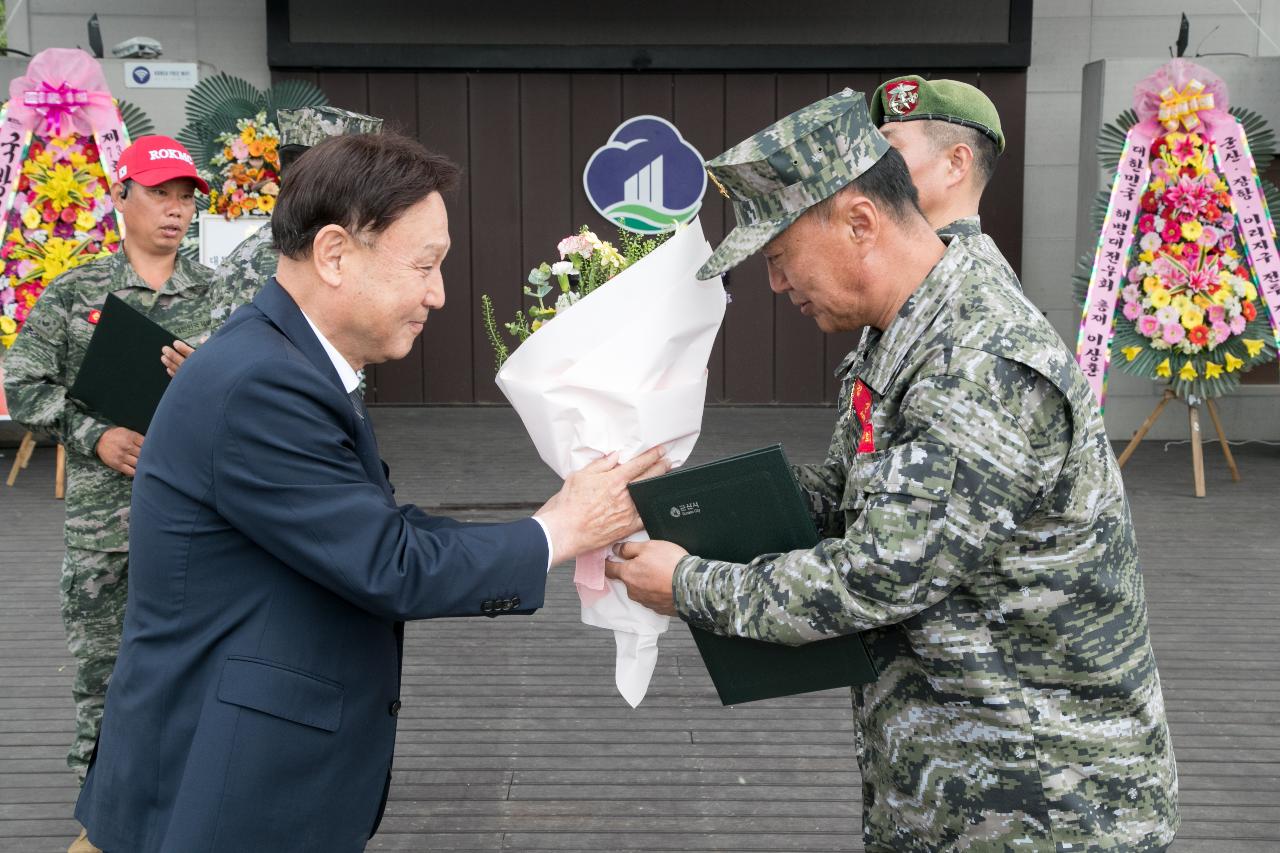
{"type": "Point", "coordinates": [253, 706]}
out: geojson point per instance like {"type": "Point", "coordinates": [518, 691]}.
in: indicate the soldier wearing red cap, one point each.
{"type": "Point", "coordinates": [154, 197]}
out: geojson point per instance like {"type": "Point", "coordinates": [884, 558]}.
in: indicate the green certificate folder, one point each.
{"type": "Point", "coordinates": [736, 509]}
{"type": "Point", "coordinates": [121, 377]}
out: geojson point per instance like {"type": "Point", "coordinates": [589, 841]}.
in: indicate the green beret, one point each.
{"type": "Point", "coordinates": [773, 176]}
{"type": "Point", "coordinates": [912, 97]}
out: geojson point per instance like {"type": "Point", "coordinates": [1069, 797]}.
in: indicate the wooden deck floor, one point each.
{"type": "Point", "coordinates": [513, 738]}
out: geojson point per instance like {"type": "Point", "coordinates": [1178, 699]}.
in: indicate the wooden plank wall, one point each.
{"type": "Point", "coordinates": [523, 140]}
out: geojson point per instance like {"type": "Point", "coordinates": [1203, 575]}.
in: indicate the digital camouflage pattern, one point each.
{"type": "Point", "coordinates": [39, 369]}
{"type": "Point", "coordinates": [985, 550]}
{"type": "Point", "coordinates": [93, 591]}
{"type": "Point", "coordinates": [246, 269]}
{"type": "Point", "coordinates": [241, 274]}
{"type": "Point", "coordinates": [312, 125]}
{"type": "Point", "coordinates": [969, 230]}
{"type": "Point", "coordinates": [777, 174]}
{"type": "Point", "coordinates": [44, 362]}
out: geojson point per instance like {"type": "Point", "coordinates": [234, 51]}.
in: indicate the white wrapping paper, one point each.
{"type": "Point", "coordinates": [625, 369]}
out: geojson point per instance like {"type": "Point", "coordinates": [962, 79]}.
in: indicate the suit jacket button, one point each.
{"type": "Point", "coordinates": [486, 606]}
{"type": "Point", "coordinates": [394, 710]}
{"type": "Point", "coordinates": [507, 604]}
{"type": "Point", "coordinates": [515, 601]}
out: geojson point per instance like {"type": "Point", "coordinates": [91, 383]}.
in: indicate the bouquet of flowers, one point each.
{"type": "Point", "coordinates": [586, 262]}
{"type": "Point", "coordinates": [1190, 292]}
{"type": "Point", "coordinates": [61, 134]}
{"type": "Point", "coordinates": [61, 216]}
{"type": "Point", "coordinates": [1185, 283]}
{"type": "Point", "coordinates": [247, 180]}
{"type": "Point", "coordinates": [617, 368]}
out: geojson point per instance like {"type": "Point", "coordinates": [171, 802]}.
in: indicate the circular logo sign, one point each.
{"type": "Point", "coordinates": [646, 178]}
{"type": "Point", "coordinates": [141, 74]}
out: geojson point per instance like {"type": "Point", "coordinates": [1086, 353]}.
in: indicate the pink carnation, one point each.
{"type": "Point", "coordinates": [575, 244]}
{"type": "Point", "coordinates": [1132, 310]}
{"type": "Point", "coordinates": [1238, 324]}
{"type": "Point", "coordinates": [1217, 313]}
{"type": "Point", "coordinates": [1173, 333]}
{"type": "Point", "coordinates": [1148, 326]}
{"type": "Point", "coordinates": [1221, 331]}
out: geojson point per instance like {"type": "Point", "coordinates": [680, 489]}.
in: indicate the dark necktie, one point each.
{"type": "Point", "coordinates": [357, 402]}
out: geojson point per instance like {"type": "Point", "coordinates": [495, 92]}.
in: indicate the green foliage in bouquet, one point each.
{"type": "Point", "coordinates": [586, 262]}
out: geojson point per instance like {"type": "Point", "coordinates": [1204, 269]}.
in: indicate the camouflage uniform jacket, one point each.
{"type": "Point", "coordinates": [241, 275]}
{"type": "Point", "coordinates": [969, 229]}
{"type": "Point", "coordinates": [44, 361]}
{"type": "Point", "coordinates": [984, 548]}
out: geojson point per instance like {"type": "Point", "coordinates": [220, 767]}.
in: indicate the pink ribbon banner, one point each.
{"type": "Point", "coordinates": [1111, 260]}
{"type": "Point", "coordinates": [63, 92]}
{"type": "Point", "coordinates": [1257, 230]}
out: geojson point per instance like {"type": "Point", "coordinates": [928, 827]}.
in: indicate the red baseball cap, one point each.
{"type": "Point", "coordinates": [152, 160]}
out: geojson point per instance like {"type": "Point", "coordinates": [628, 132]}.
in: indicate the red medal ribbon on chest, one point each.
{"type": "Point", "coordinates": [860, 405]}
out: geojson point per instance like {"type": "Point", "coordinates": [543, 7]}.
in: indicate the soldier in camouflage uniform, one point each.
{"type": "Point", "coordinates": [154, 195]}
{"type": "Point", "coordinates": [978, 535]}
{"type": "Point", "coordinates": [949, 133]}
{"type": "Point", "coordinates": [246, 269]}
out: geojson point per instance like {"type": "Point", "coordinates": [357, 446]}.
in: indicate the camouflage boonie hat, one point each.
{"type": "Point", "coordinates": [777, 174]}
{"type": "Point", "coordinates": [912, 97]}
{"type": "Point", "coordinates": [313, 125]}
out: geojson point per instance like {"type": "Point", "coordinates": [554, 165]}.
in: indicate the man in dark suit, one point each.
{"type": "Point", "coordinates": [254, 703]}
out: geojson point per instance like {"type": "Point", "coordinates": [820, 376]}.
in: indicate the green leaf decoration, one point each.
{"type": "Point", "coordinates": [136, 121]}
{"type": "Point", "coordinates": [208, 96]}
{"type": "Point", "coordinates": [201, 142]}
{"type": "Point", "coordinates": [1111, 139]}
{"type": "Point", "coordinates": [292, 95]}
{"type": "Point", "coordinates": [1262, 140]}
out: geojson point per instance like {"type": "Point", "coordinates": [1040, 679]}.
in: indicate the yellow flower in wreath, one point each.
{"type": "Point", "coordinates": [30, 218]}
{"type": "Point", "coordinates": [1188, 372]}
{"type": "Point", "coordinates": [1131, 352]}
{"type": "Point", "coordinates": [7, 325]}
{"type": "Point", "coordinates": [266, 203]}
{"type": "Point", "coordinates": [1192, 317]}
{"type": "Point", "coordinates": [1181, 303]}
{"type": "Point", "coordinates": [1233, 363]}
{"type": "Point", "coordinates": [85, 220]}
{"type": "Point", "coordinates": [1191, 230]}
{"type": "Point", "coordinates": [1254, 346]}
{"type": "Point", "coordinates": [1162, 369]}
{"type": "Point", "coordinates": [1150, 283]}
{"type": "Point", "coordinates": [1212, 370]}
{"type": "Point", "coordinates": [248, 135]}
{"type": "Point", "coordinates": [1159, 298]}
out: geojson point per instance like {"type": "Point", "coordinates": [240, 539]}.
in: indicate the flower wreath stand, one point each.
{"type": "Point", "coordinates": [1185, 282]}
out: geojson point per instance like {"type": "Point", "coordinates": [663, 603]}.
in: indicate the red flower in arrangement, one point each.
{"type": "Point", "coordinates": [1170, 233]}
{"type": "Point", "coordinates": [1198, 335]}
{"type": "Point", "coordinates": [68, 214]}
{"type": "Point", "coordinates": [1213, 213]}
{"type": "Point", "coordinates": [1146, 223]}
{"type": "Point", "coordinates": [1248, 311]}
{"type": "Point", "coordinates": [1149, 202]}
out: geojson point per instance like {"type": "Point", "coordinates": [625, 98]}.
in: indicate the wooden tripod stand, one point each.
{"type": "Point", "coordinates": [1197, 451]}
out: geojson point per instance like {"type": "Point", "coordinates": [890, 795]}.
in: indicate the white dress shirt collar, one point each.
{"type": "Point", "coordinates": [350, 381]}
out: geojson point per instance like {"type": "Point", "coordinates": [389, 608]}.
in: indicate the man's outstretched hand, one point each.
{"type": "Point", "coordinates": [647, 568]}
{"type": "Point", "coordinates": [593, 508]}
